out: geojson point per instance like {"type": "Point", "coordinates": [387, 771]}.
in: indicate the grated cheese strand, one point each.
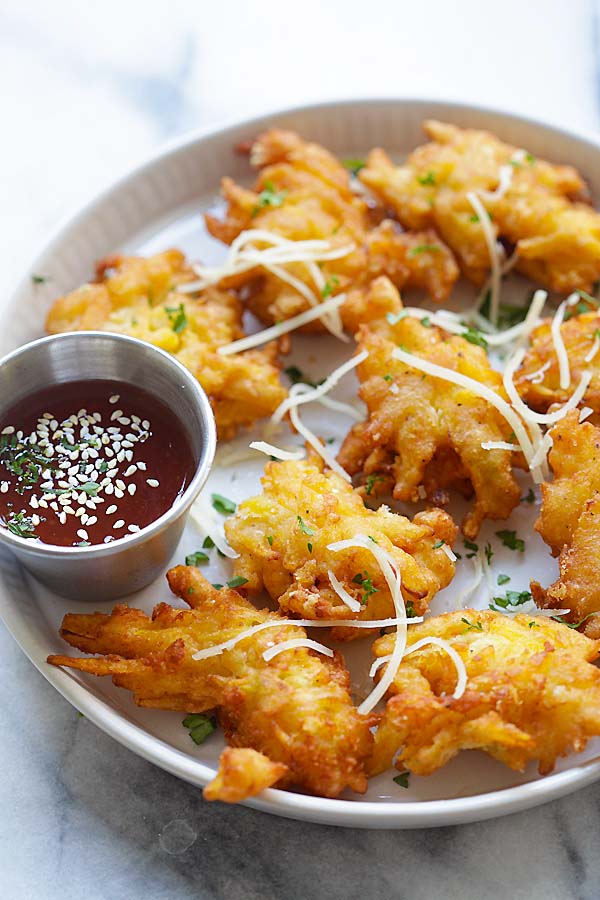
{"type": "Point", "coordinates": [529, 415]}
{"type": "Point", "coordinates": [276, 331]}
{"type": "Point", "coordinates": [388, 566]}
{"type": "Point", "coordinates": [292, 644]}
{"type": "Point", "coordinates": [217, 649]}
{"type": "Point", "coordinates": [350, 601]}
{"type": "Point", "coordinates": [298, 397]}
{"type": "Point", "coordinates": [461, 672]}
{"type": "Point", "coordinates": [449, 553]}
{"type": "Point", "coordinates": [205, 517]}
{"type": "Point", "coordinates": [499, 445]}
{"type": "Point", "coordinates": [279, 452]}
{"type": "Point", "coordinates": [559, 344]}
{"type": "Point", "coordinates": [311, 438]}
{"type": "Point", "coordinates": [490, 239]}
{"type": "Point", "coordinates": [592, 354]}
{"type": "Point", "coordinates": [584, 413]}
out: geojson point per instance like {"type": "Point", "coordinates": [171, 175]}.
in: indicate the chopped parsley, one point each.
{"type": "Point", "coordinates": [438, 544]}
{"type": "Point", "coordinates": [199, 726]}
{"type": "Point", "coordinates": [364, 579]}
{"type": "Point", "coordinates": [510, 599]}
{"type": "Point", "coordinates": [27, 463]}
{"type": "Point", "coordinates": [270, 540]}
{"type": "Point", "coordinates": [103, 466]}
{"type": "Point", "coordinates": [471, 626]}
{"type": "Point", "coordinates": [529, 497]}
{"type": "Point", "coordinates": [508, 313]}
{"type": "Point", "coordinates": [310, 547]}
{"type": "Point", "coordinates": [388, 377]}
{"type": "Point", "coordinates": [236, 582]}
{"type": "Point", "coordinates": [410, 610]}
{"type": "Point", "coordinates": [475, 337]}
{"type": "Point", "coordinates": [354, 165]}
{"type": "Point", "coordinates": [426, 322]}
{"type": "Point", "coordinates": [402, 779]}
{"type": "Point", "coordinates": [268, 197]}
{"type": "Point", "coordinates": [222, 504]}
{"type": "Point", "coordinates": [208, 543]}
{"type": "Point", "coordinates": [90, 488]}
{"type": "Point", "coordinates": [39, 279]}
{"type": "Point", "coordinates": [530, 158]}
{"type": "Point", "coordinates": [371, 482]}
{"type": "Point", "coordinates": [329, 286]}
{"type": "Point", "coordinates": [428, 179]}
{"type": "Point", "coordinates": [489, 553]}
{"type": "Point", "coordinates": [502, 579]}
{"type": "Point", "coordinates": [297, 376]}
{"type": "Point", "coordinates": [472, 546]}
{"type": "Point", "coordinates": [304, 528]}
{"type": "Point", "coordinates": [217, 586]}
{"type": "Point", "coordinates": [533, 624]}
{"type": "Point", "coordinates": [195, 559]}
{"type": "Point", "coordinates": [21, 525]}
{"type": "Point", "coordinates": [177, 318]}
{"type": "Point", "coordinates": [573, 624]}
{"type": "Point", "coordinates": [423, 248]}
{"type": "Point", "coordinates": [510, 540]}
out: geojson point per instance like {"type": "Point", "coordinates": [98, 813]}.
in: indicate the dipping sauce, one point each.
{"type": "Point", "coordinates": [89, 462]}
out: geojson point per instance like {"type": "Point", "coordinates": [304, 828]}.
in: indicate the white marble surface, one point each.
{"type": "Point", "coordinates": [88, 89]}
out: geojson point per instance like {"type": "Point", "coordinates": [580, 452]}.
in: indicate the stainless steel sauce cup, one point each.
{"type": "Point", "coordinates": [108, 571]}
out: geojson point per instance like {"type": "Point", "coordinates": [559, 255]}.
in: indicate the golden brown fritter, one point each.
{"type": "Point", "coordinates": [424, 434]}
{"type": "Point", "coordinates": [304, 193]}
{"type": "Point", "coordinates": [531, 693]}
{"type": "Point", "coordinates": [557, 238]}
{"type": "Point", "coordinates": [137, 296]}
{"type": "Point", "coordinates": [295, 709]}
{"type": "Point", "coordinates": [243, 773]}
{"type": "Point", "coordinates": [282, 536]}
{"type": "Point", "coordinates": [540, 391]}
{"type": "Point", "coordinates": [569, 522]}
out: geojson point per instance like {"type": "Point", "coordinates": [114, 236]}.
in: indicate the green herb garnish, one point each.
{"type": "Point", "coordinates": [502, 579]}
{"type": "Point", "coordinates": [304, 528]}
{"type": "Point", "coordinates": [364, 579]}
{"type": "Point", "coordinates": [529, 497]}
{"type": "Point", "coordinates": [371, 482]}
{"type": "Point", "coordinates": [270, 540]}
{"type": "Point", "coordinates": [236, 582]}
{"type": "Point", "coordinates": [177, 318]}
{"type": "Point", "coordinates": [423, 248]}
{"type": "Point", "coordinates": [410, 610]}
{"type": "Point", "coordinates": [208, 543]}
{"type": "Point", "coordinates": [472, 546]}
{"type": "Point", "coordinates": [438, 544]}
{"type": "Point", "coordinates": [573, 624]}
{"type": "Point", "coordinates": [510, 540]}
{"type": "Point", "coordinates": [471, 626]}
{"type": "Point", "coordinates": [268, 197]}
{"type": "Point", "coordinates": [475, 337]}
{"type": "Point", "coordinates": [489, 553]}
{"type": "Point", "coordinates": [222, 504]}
{"type": "Point", "coordinates": [21, 525]}
{"type": "Point", "coordinates": [354, 165]}
{"type": "Point", "coordinates": [402, 779]}
{"type": "Point", "coordinates": [39, 279]}
{"type": "Point", "coordinates": [511, 598]}
{"type": "Point", "coordinates": [428, 179]}
{"type": "Point", "coordinates": [329, 286]}
{"type": "Point", "coordinates": [199, 726]}
{"type": "Point", "coordinates": [195, 559]}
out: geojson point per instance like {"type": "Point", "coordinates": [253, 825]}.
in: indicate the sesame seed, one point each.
{"type": "Point", "coordinates": [47, 416]}
{"type": "Point", "coordinates": [131, 489]}
{"type": "Point", "coordinates": [142, 466]}
{"type": "Point", "coordinates": [109, 489]}
{"type": "Point", "coordinates": [116, 446]}
{"type": "Point", "coordinates": [84, 518]}
{"type": "Point", "coordinates": [54, 506]}
{"type": "Point", "coordinates": [119, 523]}
{"type": "Point", "coordinates": [119, 494]}
{"type": "Point", "coordinates": [126, 444]}
{"type": "Point", "coordinates": [80, 512]}
{"type": "Point", "coordinates": [108, 452]}
{"type": "Point", "coordinates": [69, 510]}
{"type": "Point", "coordinates": [129, 471]}
{"type": "Point", "coordinates": [35, 520]}
{"type": "Point", "coordinates": [97, 417]}
{"type": "Point", "coordinates": [136, 419]}
{"type": "Point", "coordinates": [121, 456]}
{"type": "Point", "coordinates": [123, 420]}
{"type": "Point", "coordinates": [129, 455]}
{"type": "Point", "coordinates": [146, 424]}
{"type": "Point", "coordinates": [108, 539]}
{"type": "Point", "coordinates": [152, 482]}
{"type": "Point", "coordinates": [116, 415]}
{"type": "Point", "coordinates": [62, 518]}
{"type": "Point", "coordinates": [114, 399]}
{"type": "Point", "coordinates": [92, 520]}
{"type": "Point", "coordinates": [112, 464]}
{"type": "Point", "coordinates": [133, 528]}
{"type": "Point", "coordinates": [43, 503]}
{"type": "Point", "coordinates": [33, 502]}
{"type": "Point", "coordinates": [82, 498]}
{"type": "Point", "coordinates": [111, 509]}
{"type": "Point", "coordinates": [82, 533]}
{"type": "Point", "coordinates": [120, 484]}
{"type": "Point", "coordinates": [81, 413]}
{"type": "Point", "coordinates": [4, 487]}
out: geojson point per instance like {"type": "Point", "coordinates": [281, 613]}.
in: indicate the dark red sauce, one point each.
{"type": "Point", "coordinates": [60, 447]}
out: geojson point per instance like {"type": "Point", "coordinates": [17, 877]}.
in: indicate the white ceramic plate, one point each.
{"type": "Point", "coordinates": [159, 205]}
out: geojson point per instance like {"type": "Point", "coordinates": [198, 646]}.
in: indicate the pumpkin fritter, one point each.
{"type": "Point", "coordinates": [304, 193]}
{"type": "Point", "coordinates": [282, 536]}
{"type": "Point", "coordinates": [569, 523]}
{"type": "Point", "coordinates": [532, 693]}
{"type": "Point", "coordinates": [423, 435]}
{"type": "Point", "coordinates": [541, 214]}
{"type": "Point", "coordinates": [295, 709]}
{"type": "Point", "coordinates": [538, 378]}
{"type": "Point", "coordinates": [137, 296]}
{"type": "Point", "coordinates": [243, 773]}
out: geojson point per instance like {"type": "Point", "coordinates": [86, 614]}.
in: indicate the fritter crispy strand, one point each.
{"type": "Point", "coordinates": [569, 522]}
{"type": "Point", "coordinates": [295, 709]}
{"type": "Point", "coordinates": [425, 434]}
{"type": "Point", "coordinates": [557, 237]}
{"type": "Point", "coordinates": [531, 693]}
{"type": "Point", "coordinates": [538, 379]}
{"type": "Point", "coordinates": [137, 296]}
{"type": "Point", "coordinates": [243, 773]}
{"type": "Point", "coordinates": [304, 193]}
{"type": "Point", "coordinates": [282, 536]}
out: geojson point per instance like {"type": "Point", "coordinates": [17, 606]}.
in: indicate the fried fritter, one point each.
{"type": "Point", "coordinates": [531, 693]}
{"type": "Point", "coordinates": [538, 379]}
{"type": "Point", "coordinates": [304, 193]}
{"type": "Point", "coordinates": [282, 536]}
{"type": "Point", "coordinates": [569, 522]}
{"type": "Point", "coordinates": [295, 709]}
{"type": "Point", "coordinates": [137, 296]}
{"type": "Point", "coordinates": [424, 435]}
{"type": "Point", "coordinates": [243, 773]}
{"type": "Point", "coordinates": [557, 236]}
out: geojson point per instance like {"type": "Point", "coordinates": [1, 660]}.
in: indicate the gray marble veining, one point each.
{"type": "Point", "coordinates": [88, 90]}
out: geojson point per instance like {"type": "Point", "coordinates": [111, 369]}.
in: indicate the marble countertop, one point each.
{"type": "Point", "coordinates": [88, 90]}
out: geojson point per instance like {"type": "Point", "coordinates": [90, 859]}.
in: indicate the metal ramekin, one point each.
{"type": "Point", "coordinates": [108, 571]}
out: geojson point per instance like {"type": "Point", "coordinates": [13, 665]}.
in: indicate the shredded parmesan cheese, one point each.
{"type": "Point", "coordinates": [595, 347]}
{"type": "Point", "coordinates": [311, 438]}
{"type": "Point", "coordinates": [449, 552]}
{"type": "Point", "coordinates": [499, 445]}
{"type": "Point", "coordinates": [278, 452]}
{"type": "Point", "coordinates": [276, 331]}
{"type": "Point", "coordinates": [529, 415]}
{"type": "Point", "coordinates": [350, 601]}
{"type": "Point", "coordinates": [495, 259]}
{"type": "Point", "coordinates": [292, 644]}
{"type": "Point", "coordinates": [298, 397]}
{"type": "Point", "coordinates": [585, 413]}
{"type": "Point", "coordinates": [388, 566]}
{"type": "Point", "coordinates": [206, 518]}
{"type": "Point", "coordinates": [461, 672]}
{"type": "Point", "coordinates": [559, 344]}
{"type": "Point", "coordinates": [538, 376]}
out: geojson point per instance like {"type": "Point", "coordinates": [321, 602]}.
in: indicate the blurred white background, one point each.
{"type": "Point", "coordinates": [90, 88]}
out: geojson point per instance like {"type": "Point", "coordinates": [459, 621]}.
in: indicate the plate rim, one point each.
{"type": "Point", "coordinates": [344, 813]}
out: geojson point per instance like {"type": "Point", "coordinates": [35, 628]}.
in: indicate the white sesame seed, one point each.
{"type": "Point", "coordinates": [108, 452]}
{"type": "Point", "coordinates": [129, 455]}
{"type": "Point", "coordinates": [64, 484]}
{"type": "Point", "coordinates": [109, 489]}
{"type": "Point", "coordinates": [43, 503]}
{"type": "Point", "coordinates": [33, 437]}
{"type": "Point", "coordinates": [152, 482]}
{"type": "Point", "coordinates": [123, 420]}
{"type": "Point", "coordinates": [35, 520]}
{"type": "Point", "coordinates": [47, 416]}
{"type": "Point", "coordinates": [92, 520]}
{"type": "Point", "coordinates": [126, 444]}
{"type": "Point", "coordinates": [91, 504]}
{"type": "Point", "coordinates": [116, 415]}
{"type": "Point", "coordinates": [133, 528]}
{"type": "Point", "coordinates": [49, 451]}
{"type": "Point", "coordinates": [54, 506]}
{"type": "Point", "coordinates": [82, 533]}
{"type": "Point", "coordinates": [33, 502]}
{"type": "Point", "coordinates": [53, 425]}
{"type": "Point", "coordinates": [120, 484]}
{"type": "Point", "coordinates": [82, 498]}
{"type": "Point", "coordinates": [131, 489]}
{"type": "Point", "coordinates": [97, 417]}
{"type": "Point", "coordinates": [69, 510]}
{"type": "Point", "coordinates": [136, 419]}
{"type": "Point", "coordinates": [119, 524]}
{"type": "Point", "coordinates": [4, 488]}
{"type": "Point", "coordinates": [92, 453]}
{"type": "Point", "coordinates": [113, 430]}
{"type": "Point", "coordinates": [121, 456]}
{"type": "Point", "coordinates": [20, 435]}
{"type": "Point", "coordinates": [146, 424]}
{"type": "Point", "coordinates": [119, 494]}
{"type": "Point", "coordinates": [112, 464]}
{"type": "Point", "coordinates": [142, 466]}
{"type": "Point", "coordinates": [111, 509]}
{"type": "Point", "coordinates": [130, 436]}
{"type": "Point", "coordinates": [108, 539]}
{"type": "Point", "coordinates": [80, 512]}
{"type": "Point", "coordinates": [105, 439]}
{"type": "Point", "coordinates": [129, 471]}
{"type": "Point", "coordinates": [114, 398]}
{"type": "Point", "coordinates": [62, 518]}
{"type": "Point", "coordinates": [84, 518]}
